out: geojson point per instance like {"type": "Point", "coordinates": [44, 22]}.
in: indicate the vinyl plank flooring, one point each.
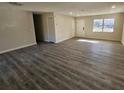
{"type": "Point", "coordinates": [73, 64]}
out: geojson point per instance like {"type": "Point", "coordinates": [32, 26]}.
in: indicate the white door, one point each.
{"type": "Point", "coordinates": [51, 30]}
{"type": "Point", "coordinates": [80, 28]}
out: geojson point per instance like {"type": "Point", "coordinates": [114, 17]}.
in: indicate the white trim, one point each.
{"type": "Point", "coordinates": [49, 28]}
{"type": "Point", "coordinates": [4, 51]}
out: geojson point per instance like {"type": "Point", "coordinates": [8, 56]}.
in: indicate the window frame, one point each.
{"type": "Point", "coordinates": [102, 29]}
{"type": "Point", "coordinates": [102, 25]}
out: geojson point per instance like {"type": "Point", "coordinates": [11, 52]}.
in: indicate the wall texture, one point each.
{"type": "Point", "coordinates": [116, 35]}
{"type": "Point", "coordinates": [64, 27]}
{"type": "Point", "coordinates": [16, 29]}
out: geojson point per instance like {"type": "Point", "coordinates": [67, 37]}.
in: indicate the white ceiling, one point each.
{"type": "Point", "coordinates": [69, 8]}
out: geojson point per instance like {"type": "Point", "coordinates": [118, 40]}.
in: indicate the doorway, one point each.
{"type": "Point", "coordinates": [38, 26]}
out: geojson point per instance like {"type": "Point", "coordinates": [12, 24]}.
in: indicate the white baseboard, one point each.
{"type": "Point", "coordinates": [8, 50]}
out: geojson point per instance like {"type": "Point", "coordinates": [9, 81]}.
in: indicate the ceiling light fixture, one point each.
{"type": "Point", "coordinates": [113, 6]}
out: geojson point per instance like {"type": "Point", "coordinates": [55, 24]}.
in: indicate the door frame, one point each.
{"type": "Point", "coordinates": [49, 28]}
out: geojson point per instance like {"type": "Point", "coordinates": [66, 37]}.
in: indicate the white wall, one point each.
{"type": "Point", "coordinates": [122, 41]}
{"type": "Point", "coordinates": [64, 27]}
{"type": "Point", "coordinates": [16, 29]}
{"type": "Point", "coordinates": [115, 36]}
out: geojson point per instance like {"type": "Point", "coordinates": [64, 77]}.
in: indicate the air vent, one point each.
{"type": "Point", "coordinates": [16, 3]}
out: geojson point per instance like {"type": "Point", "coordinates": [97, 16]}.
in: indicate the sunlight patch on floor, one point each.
{"type": "Point", "coordinates": [89, 41]}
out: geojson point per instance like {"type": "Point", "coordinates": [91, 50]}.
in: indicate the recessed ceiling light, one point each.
{"type": "Point", "coordinates": [113, 6]}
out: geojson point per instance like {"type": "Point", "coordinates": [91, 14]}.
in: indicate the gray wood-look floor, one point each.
{"type": "Point", "coordinates": [73, 64]}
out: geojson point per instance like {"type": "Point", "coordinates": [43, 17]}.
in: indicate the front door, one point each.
{"type": "Point", "coordinates": [80, 32]}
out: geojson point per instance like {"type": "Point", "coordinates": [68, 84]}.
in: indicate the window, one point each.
{"type": "Point", "coordinates": [98, 25]}
{"type": "Point", "coordinates": [108, 25]}
{"type": "Point", "coordinates": [103, 25]}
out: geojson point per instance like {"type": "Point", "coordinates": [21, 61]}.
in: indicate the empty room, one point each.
{"type": "Point", "coordinates": [61, 45]}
